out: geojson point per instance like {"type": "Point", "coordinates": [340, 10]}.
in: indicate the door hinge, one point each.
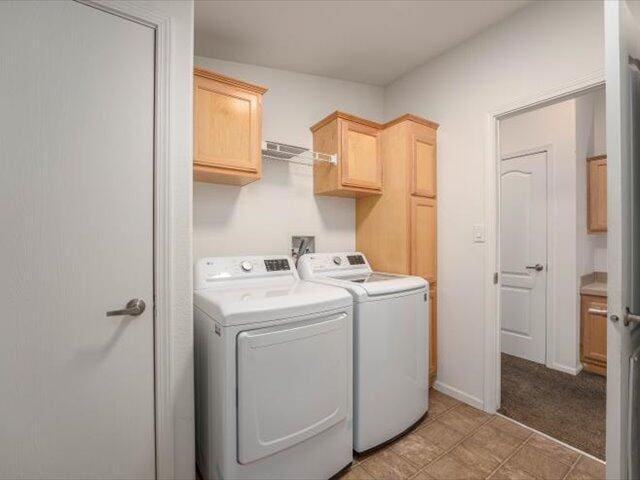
{"type": "Point", "coordinates": [495, 278]}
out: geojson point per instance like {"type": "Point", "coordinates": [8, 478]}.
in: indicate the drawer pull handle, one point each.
{"type": "Point", "coordinates": [598, 311]}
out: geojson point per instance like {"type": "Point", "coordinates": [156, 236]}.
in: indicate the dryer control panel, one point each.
{"type": "Point", "coordinates": [210, 270]}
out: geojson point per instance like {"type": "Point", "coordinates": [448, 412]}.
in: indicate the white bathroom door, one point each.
{"type": "Point", "coordinates": [76, 241]}
{"type": "Point", "coordinates": [523, 256]}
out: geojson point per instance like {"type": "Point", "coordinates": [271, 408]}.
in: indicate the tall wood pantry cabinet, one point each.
{"type": "Point", "coordinates": [397, 229]}
{"type": "Point", "coordinates": [227, 129]}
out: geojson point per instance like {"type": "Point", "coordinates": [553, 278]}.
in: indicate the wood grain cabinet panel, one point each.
{"type": "Point", "coordinates": [397, 229]}
{"type": "Point", "coordinates": [597, 194]}
{"type": "Point", "coordinates": [593, 335]}
{"type": "Point", "coordinates": [423, 163]}
{"type": "Point", "coordinates": [356, 142]}
{"type": "Point", "coordinates": [227, 129]}
{"type": "Point", "coordinates": [361, 163]}
{"type": "Point", "coordinates": [423, 238]}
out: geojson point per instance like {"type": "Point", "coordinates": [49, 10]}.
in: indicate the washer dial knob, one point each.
{"type": "Point", "coordinates": [246, 266]}
{"type": "Point", "coordinates": [337, 260]}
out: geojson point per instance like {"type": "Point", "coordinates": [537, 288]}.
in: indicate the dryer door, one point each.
{"type": "Point", "coordinates": [293, 383]}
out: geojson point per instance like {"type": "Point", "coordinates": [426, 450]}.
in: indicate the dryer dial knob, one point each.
{"type": "Point", "coordinates": [337, 260]}
{"type": "Point", "coordinates": [246, 266]}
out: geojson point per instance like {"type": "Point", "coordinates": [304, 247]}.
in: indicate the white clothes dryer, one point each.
{"type": "Point", "coordinates": [273, 371]}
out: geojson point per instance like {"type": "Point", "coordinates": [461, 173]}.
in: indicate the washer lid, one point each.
{"type": "Point", "coordinates": [374, 284]}
{"type": "Point", "coordinates": [264, 302]}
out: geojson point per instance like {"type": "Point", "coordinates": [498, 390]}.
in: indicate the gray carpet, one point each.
{"type": "Point", "coordinates": [566, 407]}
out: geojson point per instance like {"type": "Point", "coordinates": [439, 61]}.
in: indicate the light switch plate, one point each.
{"type": "Point", "coordinates": [478, 233]}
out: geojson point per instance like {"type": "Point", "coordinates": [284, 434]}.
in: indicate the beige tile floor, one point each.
{"type": "Point", "coordinates": [456, 442]}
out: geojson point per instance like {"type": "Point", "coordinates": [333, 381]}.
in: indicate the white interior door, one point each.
{"type": "Point", "coordinates": [622, 57]}
{"type": "Point", "coordinates": [523, 256]}
{"type": "Point", "coordinates": [76, 210]}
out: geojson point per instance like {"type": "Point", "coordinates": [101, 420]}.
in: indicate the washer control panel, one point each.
{"type": "Point", "coordinates": [356, 259]}
{"type": "Point", "coordinates": [345, 263]}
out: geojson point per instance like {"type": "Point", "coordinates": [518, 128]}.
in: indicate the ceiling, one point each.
{"type": "Point", "coordinates": [366, 41]}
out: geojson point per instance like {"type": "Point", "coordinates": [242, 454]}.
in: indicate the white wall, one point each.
{"type": "Point", "coordinates": [555, 126]}
{"type": "Point", "coordinates": [590, 141]}
{"type": "Point", "coordinates": [261, 217]}
{"type": "Point", "coordinates": [542, 47]}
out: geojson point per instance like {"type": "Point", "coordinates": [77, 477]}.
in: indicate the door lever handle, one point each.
{"type": "Point", "coordinates": [538, 267]}
{"type": "Point", "coordinates": [134, 308]}
{"type": "Point", "coordinates": [630, 318]}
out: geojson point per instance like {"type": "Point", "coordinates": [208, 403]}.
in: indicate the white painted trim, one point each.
{"type": "Point", "coordinates": [542, 434]}
{"type": "Point", "coordinates": [163, 230]}
{"type": "Point", "coordinates": [563, 368]}
{"type": "Point", "coordinates": [492, 295]}
{"type": "Point", "coordinates": [458, 394]}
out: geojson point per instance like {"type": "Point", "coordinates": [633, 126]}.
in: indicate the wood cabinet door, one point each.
{"type": "Point", "coordinates": [423, 238]}
{"type": "Point", "coordinates": [226, 126]}
{"type": "Point", "coordinates": [433, 334]}
{"type": "Point", "coordinates": [423, 164]}
{"type": "Point", "coordinates": [360, 156]}
{"type": "Point", "coordinates": [594, 329]}
{"type": "Point", "coordinates": [597, 194]}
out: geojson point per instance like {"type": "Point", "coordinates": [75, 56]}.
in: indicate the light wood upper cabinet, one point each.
{"type": "Point", "coordinates": [423, 163]}
{"type": "Point", "coordinates": [597, 194]}
{"type": "Point", "coordinates": [356, 142]}
{"type": "Point", "coordinates": [227, 129]}
{"type": "Point", "coordinates": [593, 335]}
{"type": "Point", "coordinates": [360, 159]}
{"type": "Point", "coordinates": [423, 238]}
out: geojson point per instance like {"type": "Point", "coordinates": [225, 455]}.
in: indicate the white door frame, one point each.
{"type": "Point", "coordinates": [162, 225]}
{"type": "Point", "coordinates": [549, 324]}
{"type": "Point", "coordinates": [492, 258]}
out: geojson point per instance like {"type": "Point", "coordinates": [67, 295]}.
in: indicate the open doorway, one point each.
{"type": "Point", "coordinates": [553, 258]}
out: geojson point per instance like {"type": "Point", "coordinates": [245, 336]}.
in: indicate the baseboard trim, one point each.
{"type": "Point", "coordinates": [565, 369]}
{"type": "Point", "coordinates": [458, 394]}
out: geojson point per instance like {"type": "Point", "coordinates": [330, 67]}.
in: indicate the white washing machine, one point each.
{"type": "Point", "coordinates": [391, 338]}
{"type": "Point", "coordinates": [273, 371]}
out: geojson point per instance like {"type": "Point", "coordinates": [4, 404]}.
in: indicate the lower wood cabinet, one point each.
{"type": "Point", "coordinates": [593, 333]}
